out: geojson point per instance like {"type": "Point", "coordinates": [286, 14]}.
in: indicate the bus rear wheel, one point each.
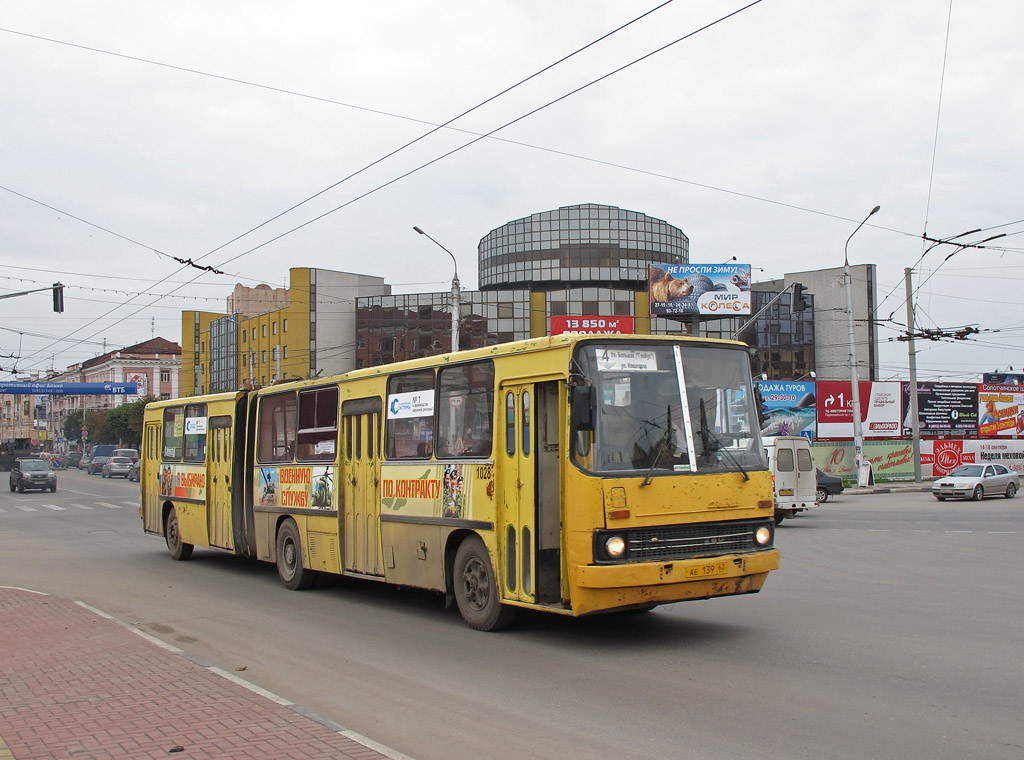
{"type": "Point", "coordinates": [476, 593]}
{"type": "Point", "coordinates": [172, 534]}
{"type": "Point", "coordinates": [289, 559]}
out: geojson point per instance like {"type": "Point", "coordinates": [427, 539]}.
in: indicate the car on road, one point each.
{"type": "Point", "coordinates": [85, 463]}
{"type": "Point", "coordinates": [133, 473]}
{"type": "Point", "coordinates": [828, 485]}
{"type": "Point", "coordinates": [72, 458]}
{"type": "Point", "coordinates": [133, 454]}
{"type": "Point", "coordinates": [976, 481]}
{"type": "Point", "coordinates": [32, 473]}
{"type": "Point", "coordinates": [117, 467]}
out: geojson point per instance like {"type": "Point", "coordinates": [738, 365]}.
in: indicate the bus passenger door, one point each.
{"type": "Point", "coordinates": [516, 516]}
{"type": "Point", "coordinates": [361, 503]}
{"type": "Point", "coordinates": [218, 487]}
{"type": "Point", "coordinates": [149, 477]}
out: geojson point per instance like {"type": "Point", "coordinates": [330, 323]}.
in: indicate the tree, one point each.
{"type": "Point", "coordinates": [73, 425]}
{"type": "Point", "coordinates": [94, 422]}
{"type": "Point", "coordinates": [123, 423]}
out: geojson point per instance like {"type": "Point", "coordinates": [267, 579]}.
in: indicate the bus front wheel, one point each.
{"type": "Point", "coordinates": [289, 559]}
{"type": "Point", "coordinates": [476, 593]}
{"type": "Point", "coordinates": [172, 534]}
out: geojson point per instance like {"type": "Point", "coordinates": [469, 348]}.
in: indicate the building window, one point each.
{"type": "Point", "coordinates": [263, 331]}
{"type": "Point", "coordinates": [284, 349]}
{"type": "Point", "coordinates": [165, 376]}
{"type": "Point", "coordinates": [263, 357]}
{"type": "Point", "coordinates": [285, 326]}
{"type": "Point", "coordinates": [273, 328]}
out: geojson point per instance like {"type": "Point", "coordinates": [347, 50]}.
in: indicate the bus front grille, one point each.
{"type": "Point", "coordinates": [674, 542]}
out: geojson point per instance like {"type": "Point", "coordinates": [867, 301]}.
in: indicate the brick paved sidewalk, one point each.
{"type": "Point", "coordinates": [76, 684]}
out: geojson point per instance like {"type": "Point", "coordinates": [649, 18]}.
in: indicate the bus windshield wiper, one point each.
{"type": "Point", "coordinates": [711, 442]}
{"type": "Point", "coordinates": [660, 448]}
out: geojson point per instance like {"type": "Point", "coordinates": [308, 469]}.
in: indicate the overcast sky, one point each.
{"type": "Point", "coordinates": [135, 132]}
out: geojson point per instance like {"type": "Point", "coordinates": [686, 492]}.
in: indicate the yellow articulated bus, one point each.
{"type": "Point", "coordinates": [576, 474]}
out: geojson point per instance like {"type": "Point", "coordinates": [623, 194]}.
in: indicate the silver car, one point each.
{"type": "Point", "coordinates": [117, 467]}
{"type": "Point", "coordinates": [976, 481]}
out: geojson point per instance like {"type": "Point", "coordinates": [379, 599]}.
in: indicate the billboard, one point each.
{"type": "Point", "coordinates": [789, 408]}
{"type": "Point", "coordinates": [880, 409]}
{"type": "Point", "coordinates": [1002, 378]}
{"type": "Point", "coordinates": [948, 410]}
{"type": "Point", "coordinates": [1000, 410]}
{"type": "Point", "coordinates": [589, 324]}
{"type": "Point", "coordinates": [708, 290]}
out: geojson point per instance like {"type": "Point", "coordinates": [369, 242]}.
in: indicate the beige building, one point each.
{"type": "Point", "coordinates": [153, 365]}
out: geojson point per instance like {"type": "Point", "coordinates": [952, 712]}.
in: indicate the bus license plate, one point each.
{"type": "Point", "coordinates": [706, 571]}
{"type": "Point", "coordinates": [785, 492]}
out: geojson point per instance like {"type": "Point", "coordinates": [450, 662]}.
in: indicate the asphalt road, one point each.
{"type": "Point", "coordinates": [892, 630]}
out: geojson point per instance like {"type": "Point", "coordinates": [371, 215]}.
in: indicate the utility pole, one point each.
{"type": "Point", "coordinates": [864, 477]}
{"type": "Point", "coordinates": [915, 423]}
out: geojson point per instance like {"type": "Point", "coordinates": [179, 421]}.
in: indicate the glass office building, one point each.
{"type": "Point", "coordinates": [585, 260]}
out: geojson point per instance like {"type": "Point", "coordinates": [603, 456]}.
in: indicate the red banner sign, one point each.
{"type": "Point", "coordinates": [592, 325]}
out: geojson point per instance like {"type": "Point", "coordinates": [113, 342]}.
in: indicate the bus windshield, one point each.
{"type": "Point", "coordinates": [640, 392]}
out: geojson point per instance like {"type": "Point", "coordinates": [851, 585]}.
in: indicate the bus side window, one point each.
{"type": "Point", "coordinates": [465, 403]}
{"type": "Point", "coordinates": [195, 433]}
{"type": "Point", "coordinates": [510, 424]}
{"type": "Point", "coordinates": [174, 433]}
{"type": "Point", "coordinates": [318, 424]}
{"type": "Point", "coordinates": [409, 428]}
{"type": "Point", "coordinates": [276, 433]}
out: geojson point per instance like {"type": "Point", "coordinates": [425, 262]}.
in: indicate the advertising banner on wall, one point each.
{"type": "Point", "coordinates": [789, 408]}
{"type": "Point", "coordinates": [949, 410]}
{"type": "Point", "coordinates": [880, 409]}
{"type": "Point", "coordinates": [591, 325]}
{"type": "Point", "coordinates": [889, 459]}
{"type": "Point", "coordinates": [1000, 410]}
{"type": "Point", "coordinates": [939, 458]}
{"type": "Point", "coordinates": [710, 290]}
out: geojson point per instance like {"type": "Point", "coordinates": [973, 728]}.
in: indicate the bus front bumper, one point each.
{"type": "Point", "coordinates": [608, 587]}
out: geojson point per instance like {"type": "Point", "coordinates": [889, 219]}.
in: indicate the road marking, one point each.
{"type": "Point", "coordinates": [2, 509]}
{"type": "Point", "coordinates": [80, 506]}
{"type": "Point", "coordinates": [109, 505]}
{"type": "Point", "coordinates": [24, 509]}
{"type": "Point", "coordinates": [958, 531]}
{"type": "Point", "coordinates": [879, 530]}
{"type": "Point", "coordinates": [1002, 532]}
{"type": "Point", "coordinates": [54, 507]}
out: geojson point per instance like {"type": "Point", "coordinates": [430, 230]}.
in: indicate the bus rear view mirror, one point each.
{"type": "Point", "coordinates": [582, 411]}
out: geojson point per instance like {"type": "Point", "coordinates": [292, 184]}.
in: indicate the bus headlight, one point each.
{"type": "Point", "coordinates": [763, 535]}
{"type": "Point", "coordinates": [615, 546]}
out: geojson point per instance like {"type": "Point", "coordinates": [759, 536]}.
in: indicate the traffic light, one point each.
{"type": "Point", "coordinates": [798, 297]}
{"type": "Point", "coordinates": [58, 297]}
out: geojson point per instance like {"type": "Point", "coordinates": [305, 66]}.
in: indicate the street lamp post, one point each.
{"type": "Point", "coordinates": [456, 291]}
{"type": "Point", "coordinates": [863, 468]}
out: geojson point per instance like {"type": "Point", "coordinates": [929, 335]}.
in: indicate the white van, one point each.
{"type": "Point", "coordinates": [792, 467]}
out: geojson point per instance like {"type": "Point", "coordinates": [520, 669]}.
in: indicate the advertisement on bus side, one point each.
{"type": "Point", "coordinates": [296, 487]}
{"type": "Point", "coordinates": [430, 490]}
{"type": "Point", "coordinates": [183, 481]}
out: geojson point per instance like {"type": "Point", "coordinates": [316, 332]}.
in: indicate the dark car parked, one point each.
{"type": "Point", "coordinates": [32, 473]}
{"type": "Point", "coordinates": [828, 485]}
{"type": "Point", "coordinates": [133, 473]}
